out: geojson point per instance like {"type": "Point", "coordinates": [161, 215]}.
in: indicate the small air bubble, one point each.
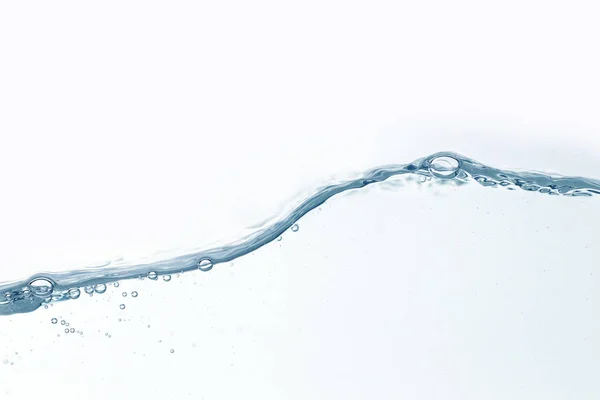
{"type": "Point", "coordinates": [72, 330]}
{"type": "Point", "coordinates": [122, 306]}
{"type": "Point", "coordinates": [444, 167]}
{"type": "Point", "coordinates": [124, 294]}
{"type": "Point", "coordinates": [279, 238]}
{"type": "Point", "coordinates": [167, 278]}
{"type": "Point", "coordinates": [73, 293]}
{"type": "Point", "coordinates": [54, 320]}
{"type": "Point", "coordinates": [116, 284]}
{"type": "Point", "coordinates": [100, 288]}
{"type": "Point", "coordinates": [172, 351]}
{"type": "Point", "coordinates": [41, 287]}
{"type": "Point", "coordinates": [295, 228]}
{"type": "Point", "coordinates": [205, 264]}
{"type": "Point", "coordinates": [63, 322]}
{"type": "Point", "coordinates": [152, 275]}
{"type": "Point", "coordinates": [134, 294]}
{"type": "Point", "coordinates": [66, 330]}
{"type": "Point", "coordinates": [89, 290]}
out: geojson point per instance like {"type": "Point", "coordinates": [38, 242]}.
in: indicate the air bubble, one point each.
{"type": "Point", "coordinates": [63, 322]}
{"type": "Point", "coordinates": [205, 264]}
{"type": "Point", "coordinates": [167, 278]}
{"type": "Point", "coordinates": [73, 293]}
{"type": "Point", "coordinates": [295, 228]}
{"type": "Point", "coordinates": [100, 288]}
{"type": "Point", "coordinates": [89, 290]}
{"type": "Point", "coordinates": [41, 287]}
{"type": "Point", "coordinates": [72, 330]}
{"type": "Point", "coordinates": [172, 351]}
{"type": "Point", "coordinates": [124, 294]}
{"type": "Point", "coordinates": [152, 275]}
{"type": "Point", "coordinates": [122, 306]}
{"type": "Point", "coordinates": [444, 167]}
{"type": "Point", "coordinates": [134, 294]}
{"type": "Point", "coordinates": [54, 320]}
{"type": "Point", "coordinates": [279, 238]}
{"type": "Point", "coordinates": [66, 330]}
{"type": "Point", "coordinates": [116, 284]}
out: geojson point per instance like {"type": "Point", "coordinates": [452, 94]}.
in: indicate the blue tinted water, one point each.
{"type": "Point", "coordinates": [442, 168]}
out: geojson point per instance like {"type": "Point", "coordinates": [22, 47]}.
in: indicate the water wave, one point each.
{"type": "Point", "coordinates": [29, 294]}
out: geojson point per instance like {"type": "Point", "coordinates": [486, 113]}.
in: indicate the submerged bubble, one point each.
{"type": "Point", "coordinates": [54, 320]}
{"type": "Point", "coordinates": [116, 284]}
{"type": "Point", "coordinates": [152, 275]}
{"type": "Point", "coordinates": [66, 330]}
{"type": "Point", "coordinates": [73, 293]}
{"type": "Point", "coordinates": [72, 330]}
{"type": "Point", "coordinates": [134, 294]}
{"type": "Point", "coordinates": [279, 238]}
{"type": "Point", "coordinates": [444, 167]}
{"type": "Point", "coordinates": [167, 278]}
{"type": "Point", "coordinates": [63, 322]}
{"type": "Point", "coordinates": [122, 306]}
{"type": "Point", "coordinates": [205, 264]}
{"type": "Point", "coordinates": [124, 294]}
{"type": "Point", "coordinates": [41, 287]}
{"type": "Point", "coordinates": [100, 288]}
{"type": "Point", "coordinates": [89, 290]}
{"type": "Point", "coordinates": [295, 228]}
{"type": "Point", "coordinates": [172, 351]}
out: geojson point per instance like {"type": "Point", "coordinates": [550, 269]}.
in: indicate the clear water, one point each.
{"type": "Point", "coordinates": [486, 284]}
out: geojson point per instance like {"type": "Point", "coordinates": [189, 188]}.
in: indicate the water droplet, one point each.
{"type": "Point", "coordinates": [116, 284]}
{"type": "Point", "coordinates": [41, 287]}
{"type": "Point", "coordinates": [54, 320]}
{"type": "Point", "coordinates": [205, 264]}
{"type": "Point", "coordinates": [100, 288]}
{"type": "Point", "coordinates": [124, 294]}
{"type": "Point", "coordinates": [172, 351]}
{"type": "Point", "coordinates": [444, 167]}
{"type": "Point", "coordinates": [122, 306]}
{"type": "Point", "coordinates": [167, 278]}
{"type": "Point", "coordinates": [152, 275]}
{"type": "Point", "coordinates": [295, 228]}
{"type": "Point", "coordinates": [89, 290]}
{"type": "Point", "coordinates": [73, 293]}
{"type": "Point", "coordinates": [63, 322]}
{"type": "Point", "coordinates": [134, 294]}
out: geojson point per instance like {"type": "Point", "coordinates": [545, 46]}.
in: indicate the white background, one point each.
{"type": "Point", "coordinates": [127, 127]}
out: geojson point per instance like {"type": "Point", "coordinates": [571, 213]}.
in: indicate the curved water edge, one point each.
{"type": "Point", "coordinates": [29, 294]}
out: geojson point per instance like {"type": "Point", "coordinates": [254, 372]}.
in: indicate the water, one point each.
{"type": "Point", "coordinates": [445, 168]}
